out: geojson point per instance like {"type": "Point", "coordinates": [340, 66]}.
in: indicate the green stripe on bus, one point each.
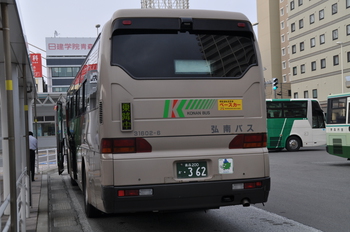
{"type": "Point", "coordinates": [193, 104]}
{"type": "Point", "coordinates": [166, 108]}
{"type": "Point", "coordinates": [212, 104]}
{"type": "Point", "coordinates": [179, 108]}
{"type": "Point", "coordinates": [189, 104]}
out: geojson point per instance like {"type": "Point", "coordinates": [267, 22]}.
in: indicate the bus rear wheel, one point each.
{"type": "Point", "coordinates": [293, 143]}
{"type": "Point", "coordinates": [90, 210]}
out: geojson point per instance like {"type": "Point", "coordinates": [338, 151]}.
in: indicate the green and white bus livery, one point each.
{"type": "Point", "coordinates": [294, 123]}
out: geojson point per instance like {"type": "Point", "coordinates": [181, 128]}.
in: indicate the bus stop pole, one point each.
{"type": "Point", "coordinates": [10, 116]}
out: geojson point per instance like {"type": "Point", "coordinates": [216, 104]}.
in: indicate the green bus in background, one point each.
{"type": "Point", "coordinates": [294, 123]}
{"type": "Point", "coordinates": [338, 120]}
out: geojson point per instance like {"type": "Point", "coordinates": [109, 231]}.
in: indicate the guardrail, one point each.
{"type": "Point", "coordinates": [46, 158]}
{"type": "Point", "coordinates": [22, 204]}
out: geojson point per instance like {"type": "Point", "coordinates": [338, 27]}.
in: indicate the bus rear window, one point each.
{"type": "Point", "coordinates": [181, 55]}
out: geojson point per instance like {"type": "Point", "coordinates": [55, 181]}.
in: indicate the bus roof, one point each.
{"type": "Point", "coordinates": [175, 13]}
{"type": "Point", "coordinates": [293, 99]}
{"type": "Point", "coordinates": [339, 95]}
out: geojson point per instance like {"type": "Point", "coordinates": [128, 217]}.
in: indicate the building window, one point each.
{"type": "Point", "coordinates": [348, 56]}
{"type": "Point", "coordinates": [282, 25]}
{"type": "Point", "coordinates": [302, 47]}
{"type": "Point", "coordinates": [292, 26]}
{"type": "Point", "coordinates": [314, 93]}
{"type": "Point", "coordinates": [323, 63]}
{"type": "Point", "coordinates": [284, 78]}
{"type": "Point", "coordinates": [46, 125]}
{"type": "Point", "coordinates": [295, 71]}
{"type": "Point", "coordinates": [348, 29]}
{"type": "Point", "coordinates": [322, 39]}
{"type": "Point", "coordinates": [60, 89]}
{"type": "Point", "coordinates": [283, 38]}
{"type": "Point", "coordinates": [312, 18]}
{"type": "Point", "coordinates": [335, 34]}
{"type": "Point", "coordinates": [336, 60]}
{"type": "Point", "coordinates": [300, 2]}
{"type": "Point", "coordinates": [283, 51]}
{"type": "Point", "coordinates": [321, 14]}
{"type": "Point", "coordinates": [282, 11]}
{"type": "Point", "coordinates": [294, 49]}
{"type": "Point", "coordinates": [284, 66]}
{"type": "Point", "coordinates": [334, 8]}
{"type": "Point", "coordinates": [292, 6]}
{"type": "Point", "coordinates": [301, 23]}
{"type": "Point", "coordinates": [306, 94]}
{"type": "Point", "coordinates": [302, 68]}
{"type": "Point", "coordinates": [347, 3]}
{"type": "Point", "coordinates": [64, 72]}
{"type": "Point", "coordinates": [312, 42]}
{"type": "Point", "coordinates": [313, 65]}
{"type": "Point", "coordinates": [295, 95]}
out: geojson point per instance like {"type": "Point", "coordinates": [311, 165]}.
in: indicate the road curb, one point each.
{"type": "Point", "coordinates": [43, 211]}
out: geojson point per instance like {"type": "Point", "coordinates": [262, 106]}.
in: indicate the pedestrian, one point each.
{"type": "Point", "coordinates": [33, 146]}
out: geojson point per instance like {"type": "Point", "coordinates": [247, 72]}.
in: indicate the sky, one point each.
{"type": "Point", "coordinates": [78, 18]}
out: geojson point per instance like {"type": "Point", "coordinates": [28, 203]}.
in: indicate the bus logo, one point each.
{"type": "Point", "coordinates": [178, 108]}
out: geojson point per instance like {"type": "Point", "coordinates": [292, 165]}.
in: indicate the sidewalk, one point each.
{"type": "Point", "coordinates": [31, 222]}
{"type": "Point", "coordinates": [38, 217]}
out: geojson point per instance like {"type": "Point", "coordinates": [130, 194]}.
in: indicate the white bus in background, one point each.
{"type": "Point", "coordinates": [295, 123]}
{"type": "Point", "coordinates": [168, 113]}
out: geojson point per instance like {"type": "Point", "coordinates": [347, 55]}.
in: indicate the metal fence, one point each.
{"type": "Point", "coordinates": [46, 159]}
{"type": "Point", "coordinates": [22, 204]}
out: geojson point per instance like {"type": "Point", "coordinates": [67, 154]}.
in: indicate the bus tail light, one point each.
{"type": "Point", "coordinates": [248, 141]}
{"type": "Point", "coordinates": [249, 185]}
{"type": "Point", "coordinates": [125, 145]}
{"type": "Point", "coordinates": [135, 192]}
{"type": "Point", "coordinates": [253, 185]}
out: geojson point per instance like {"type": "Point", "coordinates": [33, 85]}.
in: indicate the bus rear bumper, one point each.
{"type": "Point", "coordinates": [185, 196]}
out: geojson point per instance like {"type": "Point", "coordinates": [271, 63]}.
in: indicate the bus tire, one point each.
{"type": "Point", "coordinates": [90, 210]}
{"type": "Point", "coordinates": [293, 143]}
{"type": "Point", "coordinates": [72, 181]}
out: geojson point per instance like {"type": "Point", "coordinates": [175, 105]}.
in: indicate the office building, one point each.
{"type": "Point", "coordinates": [312, 46]}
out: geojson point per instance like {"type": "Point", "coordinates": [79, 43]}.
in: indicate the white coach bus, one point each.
{"type": "Point", "coordinates": [168, 113]}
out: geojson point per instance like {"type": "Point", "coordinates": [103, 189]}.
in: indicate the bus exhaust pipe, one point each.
{"type": "Point", "coordinates": [245, 202]}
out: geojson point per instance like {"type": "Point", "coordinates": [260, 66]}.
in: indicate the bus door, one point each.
{"type": "Point", "coordinates": [318, 124]}
{"type": "Point", "coordinates": [60, 137]}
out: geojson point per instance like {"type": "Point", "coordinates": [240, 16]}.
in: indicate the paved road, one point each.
{"type": "Point", "coordinates": [310, 192]}
{"type": "Point", "coordinates": [311, 187]}
{"type": "Point", "coordinates": [66, 212]}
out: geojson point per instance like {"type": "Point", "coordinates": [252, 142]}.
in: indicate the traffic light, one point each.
{"type": "Point", "coordinates": [274, 83]}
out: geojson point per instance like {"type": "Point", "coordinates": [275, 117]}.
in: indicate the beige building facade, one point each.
{"type": "Point", "coordinates": [314, 46]}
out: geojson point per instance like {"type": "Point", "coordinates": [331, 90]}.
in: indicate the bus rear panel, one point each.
{"type": "Point", "coordinates": [173, 114]}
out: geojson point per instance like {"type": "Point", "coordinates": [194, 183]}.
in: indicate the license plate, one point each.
{"type": "Point", "coordinates": [192, 169]}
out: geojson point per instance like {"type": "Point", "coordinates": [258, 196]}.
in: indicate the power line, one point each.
{"type": "Point", "coordinates": [36, 47]}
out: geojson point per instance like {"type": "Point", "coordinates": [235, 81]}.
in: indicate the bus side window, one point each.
{"type": "Point", "coordinates": [318, 119]}
{"type": "Point", "coordinates": [274, 113]}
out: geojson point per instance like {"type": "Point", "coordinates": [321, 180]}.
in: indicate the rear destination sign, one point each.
{"type": "Point", "coordinates": [185, 107]}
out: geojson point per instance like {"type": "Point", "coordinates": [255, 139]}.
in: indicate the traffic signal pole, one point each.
{"type": "Point", "coordinates": [275, 86]}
